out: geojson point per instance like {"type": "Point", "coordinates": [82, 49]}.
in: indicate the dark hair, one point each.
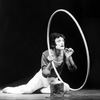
{"type": "Point", "coordinates": [53, 36]}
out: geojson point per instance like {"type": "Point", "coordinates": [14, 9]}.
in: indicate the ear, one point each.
{"type": "Point", "coordinates": [52, 45]}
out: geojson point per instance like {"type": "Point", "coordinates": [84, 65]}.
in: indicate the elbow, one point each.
{"type": "Point", "coordinates": [72, 68]}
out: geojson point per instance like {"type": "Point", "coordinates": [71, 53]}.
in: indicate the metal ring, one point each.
{"type": "Point", "coordinates": [84, 40]}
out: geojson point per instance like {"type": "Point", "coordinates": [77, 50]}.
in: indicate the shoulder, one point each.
{"type": "Point", "coordinates": [46, 53]}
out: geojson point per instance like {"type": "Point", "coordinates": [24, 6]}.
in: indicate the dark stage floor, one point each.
{"type": "Point", "coordinates": [78, 95]}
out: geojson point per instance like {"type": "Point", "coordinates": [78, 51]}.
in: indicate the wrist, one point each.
{"type": "Point", "coordinates": [50, 58]}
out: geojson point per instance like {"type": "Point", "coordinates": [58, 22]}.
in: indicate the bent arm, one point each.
{"type": "Point", "coordinates": [46, 66]}
{"type": "Point", "coordinates": [71, 65]}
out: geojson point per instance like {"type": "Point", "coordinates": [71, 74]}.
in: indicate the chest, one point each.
{"type": "Point", "coordinates": [58, 61]}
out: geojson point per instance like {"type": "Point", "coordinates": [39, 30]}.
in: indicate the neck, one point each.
{"type": "Point", "coordinates": [58, 52]}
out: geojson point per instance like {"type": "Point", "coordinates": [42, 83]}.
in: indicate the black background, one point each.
{"type": "Point", "coordinates": [23, 26]}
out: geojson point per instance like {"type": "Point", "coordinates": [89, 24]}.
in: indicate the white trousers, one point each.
{"type": "Point", "coordinates": [37, 82]}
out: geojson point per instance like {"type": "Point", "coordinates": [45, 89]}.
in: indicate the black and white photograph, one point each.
{"type": "Point", "coordinates": [49, 50]}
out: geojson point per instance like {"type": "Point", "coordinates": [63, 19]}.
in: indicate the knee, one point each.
{"type": "Point", "coordinates": [66, 87]}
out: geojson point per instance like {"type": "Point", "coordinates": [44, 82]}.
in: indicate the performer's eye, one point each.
{"type": "Point", "coordinates": [59, 40]}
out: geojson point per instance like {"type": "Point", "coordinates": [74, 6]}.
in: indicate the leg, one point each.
{"type": "Point", "coordinates": [47, 89]}
{"type": "Point", "coordinates": [34, 84]}
{"type": "Point", "coordinates": [15, 90]}
{"type": "Point", "coordinates": [66, 87]}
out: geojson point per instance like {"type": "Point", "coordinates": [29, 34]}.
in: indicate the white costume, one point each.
{"type": "Point", "coordinates": [40, 80]}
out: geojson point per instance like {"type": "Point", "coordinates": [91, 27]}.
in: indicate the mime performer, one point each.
{"type": "Point", "coordinates": [60, 55]}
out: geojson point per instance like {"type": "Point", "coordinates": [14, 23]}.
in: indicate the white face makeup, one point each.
{"type": "Point", "coordinates": [60, 43]}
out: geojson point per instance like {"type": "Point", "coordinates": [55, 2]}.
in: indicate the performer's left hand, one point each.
{"type": "Point", "coordinates": [68, 52]}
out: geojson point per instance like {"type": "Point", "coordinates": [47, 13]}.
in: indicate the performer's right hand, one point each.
{"type": "Point", "coordinates": [45, 72]}
{"type": "Point", "coordinates": [50, 57]}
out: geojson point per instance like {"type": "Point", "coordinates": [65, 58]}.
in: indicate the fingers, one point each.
{"type": "Point", "coordinates": [50, 57]}
{"type": "Point", "coordinates": [69, 50]}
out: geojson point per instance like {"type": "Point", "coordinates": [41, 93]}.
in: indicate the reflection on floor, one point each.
{"type": "Point", "coordinates": [78, 95]}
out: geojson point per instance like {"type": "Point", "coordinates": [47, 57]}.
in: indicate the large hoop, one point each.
{"type": "Point", "coordinates": [84, 40]}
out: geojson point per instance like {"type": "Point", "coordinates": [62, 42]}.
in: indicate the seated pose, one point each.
{"type": "Point", "coordinates": [59, 55]}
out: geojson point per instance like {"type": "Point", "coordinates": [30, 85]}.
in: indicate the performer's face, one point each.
{"type": "Point", "coordinates": [60, 43]}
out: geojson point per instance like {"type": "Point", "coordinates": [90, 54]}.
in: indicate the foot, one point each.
{"type": "Point", "coordinates": [12, 90]}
